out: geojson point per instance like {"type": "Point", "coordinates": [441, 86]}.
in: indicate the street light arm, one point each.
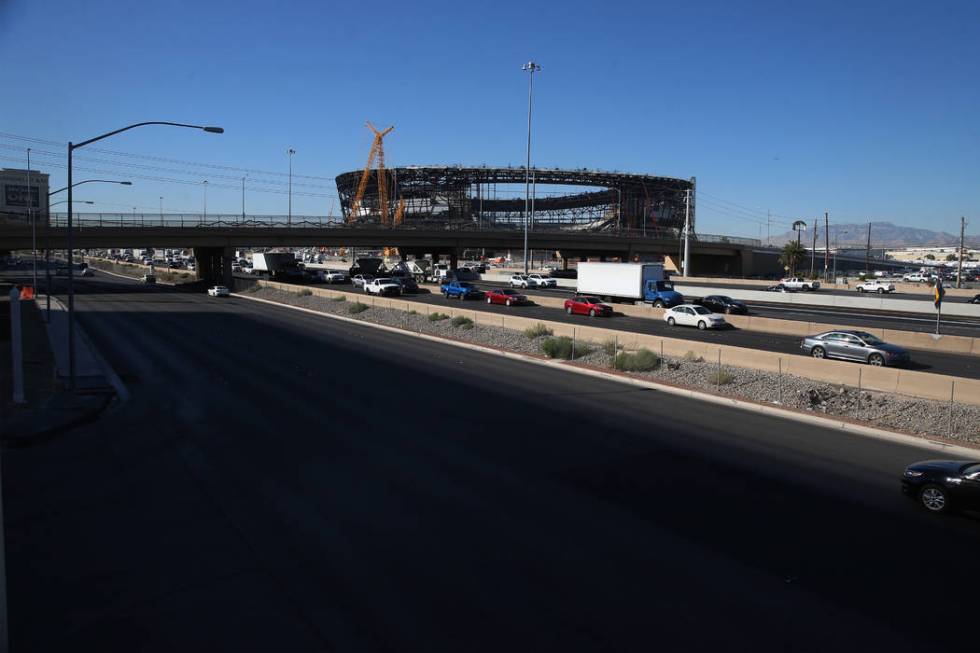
{"type": "Point", "coordinates": [213, 130]}
{"type": "Point", "coordinates": [90, 181]}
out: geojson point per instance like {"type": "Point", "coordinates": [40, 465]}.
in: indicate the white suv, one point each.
{"type": "Point", "coordinates": [218, 291]}
{"type": "Point", "coordinates": [532, 281]}
{"type": "Point", "coordinates": [874, 285]}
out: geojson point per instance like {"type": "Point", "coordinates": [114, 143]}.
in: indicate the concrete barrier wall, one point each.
{"type": "Point", "coordinates": [902, 287]}
{"type": "Point", "coordinates": [882, 379]}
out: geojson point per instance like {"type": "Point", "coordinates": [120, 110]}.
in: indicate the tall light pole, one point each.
{"type": "Point", "coordinates": [798, 226]}
{"type": "Point", "coordinates": [161, 210]}
{"type": "Point", "coordinates": [243, 199]}
{"type": "Point", "coordinates": [30, 215]}
{"type": "Point", "coordinates": [71, 268]}
{"type": "Point", "coordinates": [205, 200]}
{"type": "Point", "coordinates": [531, 68]}
{"type": "Point", "coordinates": [289, 217]}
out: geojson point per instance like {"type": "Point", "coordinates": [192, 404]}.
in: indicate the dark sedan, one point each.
{"type": "Point", "coordinates": [943, 485]}
{"type": "Point", "coordinates": [723, 304]}
{"type": "Point", "coordinates": [975, 300]}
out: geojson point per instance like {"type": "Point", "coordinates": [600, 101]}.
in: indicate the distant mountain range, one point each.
{"type": "Point", "coordinates": [883, 234]}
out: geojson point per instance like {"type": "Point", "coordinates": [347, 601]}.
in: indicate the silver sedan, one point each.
{"type": "Point", "coordinates": [856, 346]}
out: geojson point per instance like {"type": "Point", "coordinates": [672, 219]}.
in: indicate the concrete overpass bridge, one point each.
{"type": "Point", "coordinates": [215, 239]}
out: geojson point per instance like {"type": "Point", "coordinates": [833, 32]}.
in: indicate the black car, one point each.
{"type": "Point", "coordinates": [723, 304]}
{"type": "Point", "coordinates": [408, 284]}
{"type": "Point", "coordinates": [779, 288]}
{"type": "Point", "coordinates": [975, 300]}
{"type": "Point", "coordinates": [942, 485]}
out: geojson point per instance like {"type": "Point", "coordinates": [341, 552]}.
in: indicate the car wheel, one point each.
{"type": "Point", "coordinates": [728, 310]}
{"type": "Point", "coordinates": [568, 309]}
{"type": "Point", "coordinates": [876, 359]}
{"type": "Point", "coordinates": [591, 312]}
{"type": "Point", "coordinates": [671, 321]}
{"type": "Point", "coordinates": [701, 325]}
{"type": "Point", "coordinates": [507, 303]}
{"type": "Point", "coordinates": [934, 498]}
{"type": "Point", "coordinates": [489, 301]}
{"type": "Point", "coordinates": [881, 291]}
{"type": "Point", "coordinates": [658, 304]}
{"type": "Point", "coordinates": [860, 290]}
{"type": "Point", "coordinates": [818, 352]}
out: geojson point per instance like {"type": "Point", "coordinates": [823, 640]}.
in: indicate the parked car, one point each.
{"type": "Point", "coordinates": [218, 291]}
{"type": "Point", "coordinates": [383, 286]}
{"type": "Point", "coordinates": [148, 279]}
{"type": "Point", "coordinates": [505, 296]}
{"type": "Point", "coordinates": [854, 345]}
{"type": "Point", "coordinates": [800, 283]}
{"type": "Point", "coordinates": [694, 315]}
{"type": "Point", "coordinates": [360, 280]}
{"type": "Point", "coordinates": [724, 304]}
{"type": "Point", "coordinates": [461, 290]}
{"type": "Point", "coordinates": [875, 285]}
{"type": "Point", "coordinates": [333, 276]}
{"type": "Point", "coordinates": [943, 485]}
{"type": "Point", "coordinates": [587, 305]}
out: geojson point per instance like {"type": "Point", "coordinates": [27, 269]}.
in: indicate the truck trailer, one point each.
{"type": "Point", "coordinates": [644, 282]}
{"type": "Point", "coordinates": [276, 265]}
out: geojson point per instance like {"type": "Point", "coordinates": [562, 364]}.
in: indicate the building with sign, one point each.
{"type": "Point", "coordinates": [20, 198]}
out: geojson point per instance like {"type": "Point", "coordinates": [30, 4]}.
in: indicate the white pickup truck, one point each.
{"type": "Point", "coordinates": [799, 283]}
{"type": "Point", "coordinates": [875, 285]}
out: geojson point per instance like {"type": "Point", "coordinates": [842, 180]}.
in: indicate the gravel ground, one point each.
{"type": "Point", "coordinates": [918, 416]}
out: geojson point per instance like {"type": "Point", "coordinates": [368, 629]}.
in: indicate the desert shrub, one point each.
{"type": "Point", "coordinates": [339, 298]}
{"type": "Point", "coordinates": [305, 292]}
{"type": "Point", "coordinates": [691, 357]}
{"type": "Point", "coordinates": [642, 361]}
{"type": "Point", "coordinates": [610, 347]}
{"type": "Point", "coordinates": [357, 307]}
{"type": "Point", "coordinates": [413, 312]}
{"type": "Point", "coordinates": [721, 377]}
{"type": "Point", "coordinates": [437, 317]}
{"type": "Point", "coordinates": [561, 347]}
{"type": "Point", "coordinates": [537, 331]}
{"type": "Point", "coordinates": [463, 322]}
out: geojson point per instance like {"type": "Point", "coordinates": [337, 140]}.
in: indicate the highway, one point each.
{"type": "Point", "coordinates": [923, 361]}
{"type": "Point", "coordinates": [283, 481]}
{"type": "Point", "coordinates": [924, 295]}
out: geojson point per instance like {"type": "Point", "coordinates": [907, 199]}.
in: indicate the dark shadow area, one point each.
{"type": "Point", "coordinates": [356, 490]}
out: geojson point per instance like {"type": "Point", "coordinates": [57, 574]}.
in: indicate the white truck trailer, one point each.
{"type": "Point", "coordinates": [628, 281]}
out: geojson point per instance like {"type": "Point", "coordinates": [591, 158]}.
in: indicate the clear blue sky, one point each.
{"type": "Point", "coordinates": [866, 109]}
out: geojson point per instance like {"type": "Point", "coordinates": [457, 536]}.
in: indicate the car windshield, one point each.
{"type": "Point", "coordinates": [220, 288]}
{"type": "Point", "coordinates": [701, 310]}
{"type": "Point", "coordinates": [665, 285]}
{"type": "Point", "coordinates": [385, 280]}
{"type": "Point", "coordinates": [506, 291]}
{"type": "Point", "coordinates": [725, 300]}
{"type": "Point", "coordinates": [869, 339]}
{"type": "Point", "coordinates": [591, 300]}
{"type": "Point", "coordinates": [465, 285]}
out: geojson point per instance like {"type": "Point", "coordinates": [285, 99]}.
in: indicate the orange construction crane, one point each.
{"type": "Point", "coordinates": [377, 151]}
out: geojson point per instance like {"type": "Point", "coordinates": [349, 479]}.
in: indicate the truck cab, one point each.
{"type": "Point", "coordinates": [662, 294]}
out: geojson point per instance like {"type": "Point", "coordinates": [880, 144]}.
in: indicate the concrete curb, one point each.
{"type": "Point", "coordinates": [742, 404]}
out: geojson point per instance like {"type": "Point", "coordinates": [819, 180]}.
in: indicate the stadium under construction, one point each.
{"type": "Point", "coordinates": [494, 198]}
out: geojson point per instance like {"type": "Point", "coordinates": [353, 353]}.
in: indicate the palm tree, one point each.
{"type": "Point", "coordinates": [791, 255]}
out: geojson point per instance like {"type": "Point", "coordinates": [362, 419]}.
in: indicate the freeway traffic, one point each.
{"type": "Point", "coordinates": [283, 481]}
{"type": "Point", "coordinates": [937, 363]}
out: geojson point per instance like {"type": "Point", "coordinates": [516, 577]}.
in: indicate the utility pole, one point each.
{"type": "Point", "coordinates": [687, 233]}
{"type": "Point", "coordinates": [530, 67]}
{"type": "Point", "coordinates": [243, 198]}
{"type": "Point", "coordinates": [867, 253]}
{"type": "Point", "coordinates": [289, 219]}
{"type": "Point", "coordinates": [813, 252]}
{"type": "Point", "coordinates": [768, 228]}
{"type": "Point", "coordinates": [826, 255]}
{"type": "Point", "coordinates": [30, 213]}
{"type": "Point", "coordinates": [959, 264]}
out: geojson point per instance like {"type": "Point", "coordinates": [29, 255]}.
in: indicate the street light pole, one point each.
{"type": "Point", "coordinates": [243, 199]}
{"type": "Point", "coordinates": [289, 218]}
{"type": "Point", "coordinates": [205, 200]}
{"type": "Point", "coordinates": [531, 68]}
{"type": "Point", "coordinates": [71, 268]}
{"type": "Point", "coordinates": [161, 210]}
{"type": "Point", "coordinates": [31, 216]}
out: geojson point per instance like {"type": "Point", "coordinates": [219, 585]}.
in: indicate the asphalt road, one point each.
{"type": "Point", "coordinates": [281, 481]}
{"type": "Point", "coordinates": [936, 363]}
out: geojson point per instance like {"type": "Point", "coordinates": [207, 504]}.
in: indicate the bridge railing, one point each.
{"type": "Point", "coordinates": [198, 221]}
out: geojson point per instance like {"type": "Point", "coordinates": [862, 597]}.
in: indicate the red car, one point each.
{"type": "Point", "coordinates": [505, 296]}
{"type": "Point", "coordinates": [587, 305]}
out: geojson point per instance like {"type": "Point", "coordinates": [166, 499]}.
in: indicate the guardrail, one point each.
{"type": "Point", "coordinates": [186, 221]}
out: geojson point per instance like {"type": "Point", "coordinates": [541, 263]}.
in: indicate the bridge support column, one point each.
{"type": "Point", "coordinates": [214, 265]}
{"type": "Point", "coordinates": [453, 259]}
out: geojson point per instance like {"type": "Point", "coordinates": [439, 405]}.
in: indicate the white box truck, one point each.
{"type": "Point", "coordinates": [628, 281]}
{"type": "Point", "coordinates": [277, 265]}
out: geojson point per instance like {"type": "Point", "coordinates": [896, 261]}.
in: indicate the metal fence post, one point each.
{"type": "Point", "coordinates": [718, 378]}
{"type": "Point", "coordinates": [780, 382]}
{"type": "Point", "coordinates": [952, 390]}
{"type": "Point", "coordinates": [573, 343]}
{"type": "Point", "coordinates": [859, 379]}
